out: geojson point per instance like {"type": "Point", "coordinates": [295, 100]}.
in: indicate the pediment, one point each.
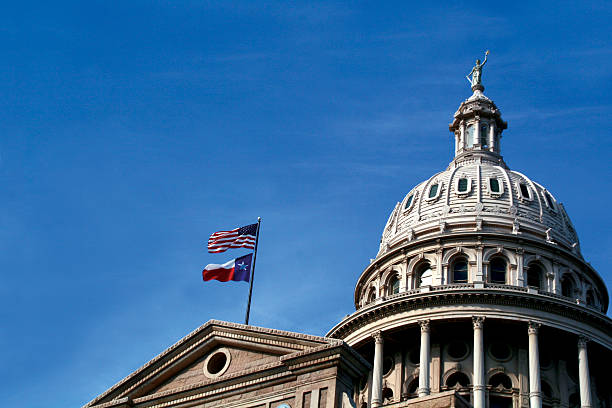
{"type": "Point", "coordinates": [212, 353]}
{"type": "Point", "coordinates": [221, 361]}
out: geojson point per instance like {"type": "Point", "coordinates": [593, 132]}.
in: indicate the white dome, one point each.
{"type": "Point", "coordinates": [477, 192]}
{"type": "Point", "coordinates": [518, 205]}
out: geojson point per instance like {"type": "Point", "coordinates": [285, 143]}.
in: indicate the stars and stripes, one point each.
{"type": "Point", "coordinates": [243, 237]}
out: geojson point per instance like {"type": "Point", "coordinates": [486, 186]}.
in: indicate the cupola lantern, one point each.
{"type": "Point", "coordinates": [477, 124]}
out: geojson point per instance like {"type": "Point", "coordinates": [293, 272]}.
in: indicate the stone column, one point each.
{"type": "Point", "coordinates": [462, 135]}
{"type": "Point", "coordinates": [457, 141]}
{"type": "Point", "coordinates": [583, 373]}
{"type": "Point", "coordinates": [435, 368]}
{"type": "Point", "coordinates": [377, 375]}
{"type": "Point", "coordinates": [535, 393]}
{"type": "Point", "coordinates": [556, 279]}
{"type": "Point", "coordinates": [440, 280]}
{"type": "Point", "coordinates": [479, 367]}
{"type": "Point", "coordinates": [492, 144]}
{"type": "Point", "coordinates": [425, 359]}
{"type": "Point", "coordinates": [479, 276]}
{"type": "Point", "coordinates": [520, 271]}
{"type": "Point", "coordinates": [477, 132]}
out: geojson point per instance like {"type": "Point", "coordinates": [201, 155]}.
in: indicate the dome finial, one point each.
{"type": "Point", "coordinates": [476, 73]}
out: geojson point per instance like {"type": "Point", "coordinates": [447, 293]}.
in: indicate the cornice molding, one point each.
{"type": "Point", "coordinates": [469, 297]}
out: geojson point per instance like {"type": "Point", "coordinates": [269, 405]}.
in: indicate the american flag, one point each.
{"type": "Point", "coordinates": [243, 237]}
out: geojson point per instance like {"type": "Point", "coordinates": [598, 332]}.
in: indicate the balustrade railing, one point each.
{"type": "Point", "coordinates": [461, 286]}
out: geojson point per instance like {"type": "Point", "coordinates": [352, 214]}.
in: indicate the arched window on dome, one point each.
{"type": "Point", "coordinates": [525, 191]}
{"type": "Point", "coordinates": [534, 276]}
{"type": "Point", "coordinates": [459, 271]}
{"type": "Point", "coordinates": [393, 285]}
{"type": "Point", "coordinates": [549, 201]}
{"type": "Point", "coordinates": [424, 275]}
{"type": "Point", "coordinates": [457, 379]}
{"type": "Point", "coordinates": [433, 191]}
{"type": "Point", "coordinates": [567, 287]}
{"type": "Point", "coordinates": [498, 268]}
{"type": "Point", "coordinates": [494, 186]}
{"type": "Point", "coordinates": [409, 202]}
{"type": "Point", "coordinates": [371, 295]}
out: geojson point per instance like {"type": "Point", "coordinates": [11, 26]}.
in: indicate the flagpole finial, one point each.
{"type": "Point", "coordinates": [258, 219]}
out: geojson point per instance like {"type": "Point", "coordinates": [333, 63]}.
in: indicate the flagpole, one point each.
{"type": "Point", "coordinates": [246, 320]}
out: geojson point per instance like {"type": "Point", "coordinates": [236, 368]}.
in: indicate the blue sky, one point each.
{"type": "Point", "coordinates": [130, 131]}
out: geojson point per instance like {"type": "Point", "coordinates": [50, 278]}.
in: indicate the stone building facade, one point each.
{"type": "Point", "coordinates": [479, 296]}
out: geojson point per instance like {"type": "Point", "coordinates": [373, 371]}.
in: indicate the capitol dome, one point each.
{"type": "Point", "coordinates": [478, 192]}
{"type": "Point", "coordinates": [479, 289]}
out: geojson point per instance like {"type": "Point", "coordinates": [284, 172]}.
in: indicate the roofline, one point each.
{"type": "Point", "coordinates": [210, 326]}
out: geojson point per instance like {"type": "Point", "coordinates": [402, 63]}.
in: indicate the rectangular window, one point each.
{"type": "Point", "coordinates": [433, 191]}
{"type": "Point", "coordinates": [484, 130]}
{"type": "Point", "coordinates": [469, 137]}
{"type": "Point", "coordinates": [408, 202]}
{"type": "Point", "coordinates": [524, 190]}
{"type": "Point", "coordinates": [494, 185]}
{"type": "Point", "coordinates": [462, 186]}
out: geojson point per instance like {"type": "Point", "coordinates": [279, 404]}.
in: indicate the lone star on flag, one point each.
{"type": "Point", "coordinates": [242, 266]}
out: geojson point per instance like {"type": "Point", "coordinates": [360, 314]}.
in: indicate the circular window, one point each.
{"type": "Point", "coordinates": [457, 350]}
{"type": "Point", "coordinates": [216, 363]}
{"type": "Point", "coordinates": [500, 351]}
{"type": "Point", "coordinates": [388, 365]}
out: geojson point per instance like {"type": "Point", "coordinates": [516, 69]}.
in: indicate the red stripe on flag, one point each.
{"type": "Point", "coordinates": [221, 274]}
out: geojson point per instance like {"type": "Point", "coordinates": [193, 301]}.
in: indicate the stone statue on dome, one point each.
{"type": "Point", "coordinates": [476, 72]}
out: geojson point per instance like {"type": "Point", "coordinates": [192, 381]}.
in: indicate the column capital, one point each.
{"type": "Point", "coordinates": [533, 327]}
{"type": "Point", "coordinates": [582, 341]}
{"type": "Point", "coordinates": [377, 336]}
{"type": "Point", "coordinates": [478, 321]}
{"type": "Point", "coordinates": [424, 325]}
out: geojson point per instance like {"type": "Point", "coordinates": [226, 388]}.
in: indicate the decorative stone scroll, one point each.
{"type": "Point", "coordinates": [533, 327]}
{"type": "Point", "coordinates": [478, 322]}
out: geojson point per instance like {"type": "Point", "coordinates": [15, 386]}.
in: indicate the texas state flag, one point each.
{"type": "Point", "coordinates": [238, 269]}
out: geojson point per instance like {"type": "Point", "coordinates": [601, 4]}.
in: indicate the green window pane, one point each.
{"type": "Point", "coordinates": [433, 191]}
{"type": "Point", "coordinates": [484, 130]}
{"type": "Point", "coordinates": [463, 184]}
{"type": "Point", "coordinates": [408, 202]}
{"type": "Point", "coordinates": [494, 184]}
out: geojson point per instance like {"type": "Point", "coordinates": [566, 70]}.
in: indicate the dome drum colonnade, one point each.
{"type": "Point", "coordinates": [481, 243]}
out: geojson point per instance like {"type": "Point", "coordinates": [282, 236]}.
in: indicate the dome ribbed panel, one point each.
{"type": "Point", "coordinates": [454, 211]}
